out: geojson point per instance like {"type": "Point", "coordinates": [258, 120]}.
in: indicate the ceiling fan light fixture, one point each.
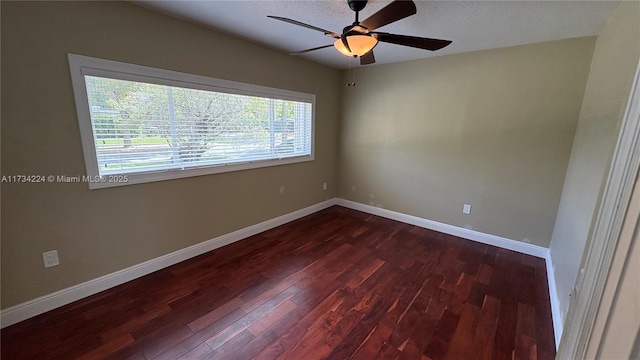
{"type": "Point", "coordinates": [359, 44]}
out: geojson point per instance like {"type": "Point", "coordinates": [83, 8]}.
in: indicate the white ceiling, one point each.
{"type": "Point", "coordinates": [471, 25]}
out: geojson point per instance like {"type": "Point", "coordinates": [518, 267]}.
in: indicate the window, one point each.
{"type": "Point", "coordinates": [140, 124]}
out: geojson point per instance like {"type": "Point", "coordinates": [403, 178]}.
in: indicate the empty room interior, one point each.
{"type": "Point", "coordinates": [176, 184]}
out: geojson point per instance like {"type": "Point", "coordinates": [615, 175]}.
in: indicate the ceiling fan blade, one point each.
{"type": "Point", "coordinates": [395, 11]}
{"type": "Point", "coordinates": [367, 58]}
{"type": "Point", "coordinates": [413, 41]}
{"type": "Point", "coordinates": [306, 51]}
{"type": "Point", "coordinates": [296, 22]}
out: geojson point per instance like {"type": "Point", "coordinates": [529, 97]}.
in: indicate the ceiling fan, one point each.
{"type": "Point", "coordinates": [359, 38]}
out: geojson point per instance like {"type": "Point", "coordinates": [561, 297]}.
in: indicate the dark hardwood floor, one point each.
{"type": "Point", "coordinates": [337, 284]}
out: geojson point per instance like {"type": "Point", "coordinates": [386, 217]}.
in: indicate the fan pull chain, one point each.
{"type": "Point", "coordinates": [351, 72]}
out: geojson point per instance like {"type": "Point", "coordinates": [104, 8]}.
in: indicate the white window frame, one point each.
{"type": "Point", "coordinates": [84, 65]}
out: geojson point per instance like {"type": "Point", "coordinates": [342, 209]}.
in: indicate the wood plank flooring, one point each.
{"type": "Point", "coordinates": [338, 284]}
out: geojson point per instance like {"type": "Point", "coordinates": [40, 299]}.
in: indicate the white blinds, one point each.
{"type": "Point", "coordinates": [145, 127]}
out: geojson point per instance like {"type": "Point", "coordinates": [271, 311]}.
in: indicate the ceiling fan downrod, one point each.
{"type": "Point", "coordinates": [357, 6]}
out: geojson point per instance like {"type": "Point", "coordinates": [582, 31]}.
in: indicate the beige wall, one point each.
{"type": "Point", "coordinates": [612, 70]}
{"type": "Point", "coordinates": [492, 129]}
{"type": "Point", "coordinates": [100, 231]}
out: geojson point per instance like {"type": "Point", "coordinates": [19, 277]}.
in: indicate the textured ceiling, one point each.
{"type": "Point", "coordinates": [471, 25]}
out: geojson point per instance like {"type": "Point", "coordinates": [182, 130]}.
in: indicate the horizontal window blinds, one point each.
{"type": "Point", "coordinates": [143, 127]}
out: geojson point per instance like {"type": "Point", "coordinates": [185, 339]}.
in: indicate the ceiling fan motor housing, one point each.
{"type": "Point", "coordinates": [357, 5]}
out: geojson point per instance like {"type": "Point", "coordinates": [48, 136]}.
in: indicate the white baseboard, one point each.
{"type": "Point", "coordinates": [477, 236]}
{"type": "Point", "coordinates": [57, 299]}
{"type": "Point", "coordinates": [488, 239]}
{"type": "Point", "coordinates": [555, 304]}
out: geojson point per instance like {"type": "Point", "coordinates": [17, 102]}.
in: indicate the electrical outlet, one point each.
{"type": "Point", "coordinates": [466, 209]}
{"type": "Point", "coordinates": [50, 258]}
{"type": "Point", "coordinates": [324, 186]}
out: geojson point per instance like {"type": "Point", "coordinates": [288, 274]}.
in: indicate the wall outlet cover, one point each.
{"type": "Point", "coordinates": [466, 209]}
{"type": "Point", "coordinates": [50, 258]}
